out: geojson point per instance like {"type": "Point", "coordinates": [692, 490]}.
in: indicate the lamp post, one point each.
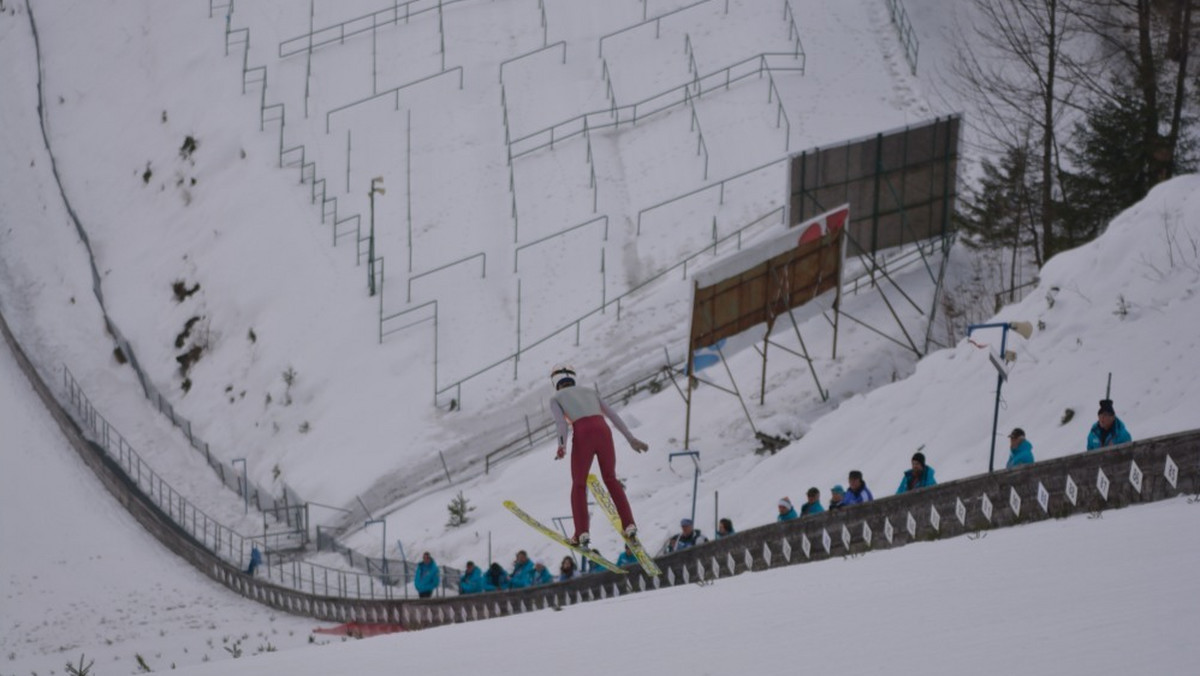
{"type": "Point", "coordinates": [695, 475]}
{"type": "Point", "coordinates": [245, 486]}
{"type": "Point", "coordinates": [1026, 330]}
{"type": "Point", "coordinates": [371, 237]}
{"type": "Point", "coordinates": [382, 546]}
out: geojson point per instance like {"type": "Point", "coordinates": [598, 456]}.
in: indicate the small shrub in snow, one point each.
{"type": "Point", "coordinates": [459, 508]}
{"type": "Point", "coordinates": [82, 669]}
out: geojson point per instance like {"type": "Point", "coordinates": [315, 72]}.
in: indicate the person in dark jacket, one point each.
{"type": "Point", "coordinates": [786, 511]}
{"type": "Point", "coordinates": [1020, 451]}
{"type": "Point", "coordinates": [724, 528]}
{"type": "Point", "coordinates": [813, 506]}
{"type": "Point", "coordinates": [688, 536]}
{"type": "Point", "coordinates": [567, 569]}
{"type": "Point", "coordinates": [857, 492]}
{"type": "Point", "coordinates": [522, 572]}
{"type": "Point", "coordinates": [428, 576]}
{"type": "Point", "coordinates": [920, 476]}
{"type": "Point", "coordinates": [837, 497]}
{"type": "Point", "coordinates": [471, 581]}
{"type": "Point", "coordinates": [1108, 429]}
{"type": "Point", "coordinates": [495, 579]}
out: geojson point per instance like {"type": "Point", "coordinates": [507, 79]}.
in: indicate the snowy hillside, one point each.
{"type": "Point", "coordinates": [125, 84]}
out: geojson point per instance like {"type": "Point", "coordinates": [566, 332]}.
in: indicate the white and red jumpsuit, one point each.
{"type": "Point", "coordinates": [584, 411]}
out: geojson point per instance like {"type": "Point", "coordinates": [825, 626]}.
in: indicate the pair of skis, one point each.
{"type": "Point", "coordinates": [604, 500]}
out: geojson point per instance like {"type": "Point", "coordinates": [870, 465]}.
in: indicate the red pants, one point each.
{"type": "Point", "coordinates": [593, 438]}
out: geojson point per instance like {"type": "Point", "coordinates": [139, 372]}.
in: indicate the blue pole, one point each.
{"type": "Point", "coordinates": [1004, 326]}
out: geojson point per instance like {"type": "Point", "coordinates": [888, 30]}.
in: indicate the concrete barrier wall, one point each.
{"type": "Point", "coordinates": [1144, 471]}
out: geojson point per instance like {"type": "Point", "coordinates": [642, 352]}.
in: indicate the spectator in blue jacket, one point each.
{"type": "Point", "coordinates": [626, 558]}
{"type": "Point", "coordinates": [1108, 430]}
{"type": "Point", "coordinates": [427, 576]}
{"type": "Point", "coordinates": [495, 579]}
{"type": "Point", "coordinates": [542, 574]}
{"type": "Point", "coordinates": [920, 476]}
{"type": "Point", "coordinates": [857, 492]}
{"type": "Point", "coordinates": [522, 572]}
{"type": "Point", "coordinates": [255, 560]}
{"type": "Point", "coordinates": [471, 581]}
{"type": "Point", "coordinates": [837, 497]}
{"type": "Point", "coordinates": [1020, 451]}
{"type": "Point", "coordinates": [813, 506]}
{"type": "Point", "coordinates": [786, 511]}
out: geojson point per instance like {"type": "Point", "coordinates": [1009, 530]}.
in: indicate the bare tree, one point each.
{"type": "Point", "coordinates": [1009, 66]}
{"type": "Point", "coordinates": [1149, 41]}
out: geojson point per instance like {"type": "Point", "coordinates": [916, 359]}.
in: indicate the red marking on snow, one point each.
{"type": "Point", "coordinates": [978, 345]}
{"type": "Point", "coordinates": [360, 629]}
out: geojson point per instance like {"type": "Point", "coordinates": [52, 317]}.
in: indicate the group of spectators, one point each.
{"type": "Point", "coordinates": [1107, 431]}
{"type": "Point", "coordinates": [525, 573]}
{"type": "Point", "coordinates": [855, 491]}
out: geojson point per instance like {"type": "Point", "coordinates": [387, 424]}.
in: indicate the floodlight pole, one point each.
{"type": "Point", "coordinates": [371, 237]}
{"type": "Point", "coordinates": [1000, 378]}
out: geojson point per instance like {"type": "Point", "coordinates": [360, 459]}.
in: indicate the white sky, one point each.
{"type": "Point", "coordinates": [86, 579]}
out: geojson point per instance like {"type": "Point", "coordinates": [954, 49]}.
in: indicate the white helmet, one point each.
{"type": "Point", "coordinates": [562, 373]}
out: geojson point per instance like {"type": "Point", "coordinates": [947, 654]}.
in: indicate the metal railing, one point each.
{"type": "Point", "coordinates": [338, 32]}
{"type": "Point", "coordinates": [394, 91]}
{"type": "Point", "coordinates": [222, 541]}
{"type": "Point", "coordinates": [908, 37]}
{"type": "Point", "coordinates": [576, 323]}
{"type": "Point", "coordinates": [630, 113]}
{"type": "Point", "coordinates": [656, 20]}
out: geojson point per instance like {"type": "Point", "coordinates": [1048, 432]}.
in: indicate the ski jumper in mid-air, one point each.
{"type": "Point", "coordinates": [584, 410]}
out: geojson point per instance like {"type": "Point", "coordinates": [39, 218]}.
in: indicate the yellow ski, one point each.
{"type": "Point", "coordinates": [604, 500]}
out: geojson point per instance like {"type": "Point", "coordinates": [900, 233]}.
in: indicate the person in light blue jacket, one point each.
{"type": "Point", "coordinates": [541, 574]}
{"type": "Point", "coordinates": [427, 577]}
{"type": "Point", "coordinates": [920, 476]}
{"type": "Point", "coordinates": [786, 511]}
{"type": "Point", "coordinates": [471, 581]}
{"type": "Point", "coordinates": [522, 572]}
{"type": "Point", "coordinates": [626, 558]}
{"type": "Point", "coordinates": [1108, 429]}
{"type": "Point", "coordinates": [1020, 451]}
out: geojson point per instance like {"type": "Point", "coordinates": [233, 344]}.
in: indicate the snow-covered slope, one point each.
{"type": "Point", "coordinates": [1124, 304]}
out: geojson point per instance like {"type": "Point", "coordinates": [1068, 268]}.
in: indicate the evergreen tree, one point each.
{"type": "Point", "coordinates": [1004, 212]}
{"type": "Point", "coordinates": [1113, 167]}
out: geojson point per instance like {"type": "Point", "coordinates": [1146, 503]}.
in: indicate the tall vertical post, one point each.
{"type": "Point", "coordinates": [375, 188]}
{"type": "Point", "coordinates": [408, 180]}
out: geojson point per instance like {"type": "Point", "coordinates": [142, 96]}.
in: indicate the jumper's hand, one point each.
{"type": "Point", "coordinates": [639, 445]}
{"type": "Point", "coordinates": [562, 450]}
